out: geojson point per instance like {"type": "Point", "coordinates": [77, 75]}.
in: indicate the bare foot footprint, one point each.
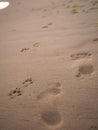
{"type": "Point", "coordinates": [80, 55]}
{"type": "Point", "coordinates": [15, 92]}
{"type": "Point", "coordinates": [85, 69]}
{"type": "Point", "coordinates": [27, 82]}
{"type": "Point", "coordinates": [36, 44]}
{"type": "Point", "coordinates": [55, 89]}
{"type": "Point", "coordinates": [24, 49]}
{"type": "Point", "coordinates": [52, 118]}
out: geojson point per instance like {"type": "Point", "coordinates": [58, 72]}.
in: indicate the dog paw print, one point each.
{"type": "Point", "coordinates": [36, 44]}
{"type": "Point", "coordinates": [27, 82]}
{"type": "Point", "coordinates": [15, 92]}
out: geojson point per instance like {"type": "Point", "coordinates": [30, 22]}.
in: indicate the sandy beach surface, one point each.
{"type": "Point", "coordinates": [49, 65]}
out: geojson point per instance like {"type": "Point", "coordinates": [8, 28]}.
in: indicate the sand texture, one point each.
{"type": "Point", "coordinates": [49, 65]}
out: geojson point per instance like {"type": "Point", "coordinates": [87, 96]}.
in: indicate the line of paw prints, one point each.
{"type": "Point", "coordinates": [36, 44]}
{"type": "Point", "coordinates": [19, 91]}
{"type": "Point", "coordinates": [25, 49]}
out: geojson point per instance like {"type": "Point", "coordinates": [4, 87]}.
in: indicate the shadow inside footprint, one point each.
{"type": "Point", "coordinates": [85, 69]}
{"type": "Point", "coordinates": [51, 117]}
{"type": "Point", "coordinates": [80, 55]}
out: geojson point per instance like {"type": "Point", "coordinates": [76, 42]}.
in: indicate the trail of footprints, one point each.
{"type": "Point", "coordinates": [85, 68]}
{"type": "Point", "coordinates": [36, 44]}
{"type": "Point", "coordinates": [52, 118]}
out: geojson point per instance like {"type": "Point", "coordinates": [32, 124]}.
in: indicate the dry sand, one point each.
{"type": "Point", "coordinates": [49, 65]}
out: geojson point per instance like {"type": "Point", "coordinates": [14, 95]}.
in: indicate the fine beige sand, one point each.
{"type": "Point", "coordinates": [49, 65]}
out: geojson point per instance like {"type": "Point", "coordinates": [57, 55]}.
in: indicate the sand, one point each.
{"type": "Point", "coordinates": [49, 65]}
